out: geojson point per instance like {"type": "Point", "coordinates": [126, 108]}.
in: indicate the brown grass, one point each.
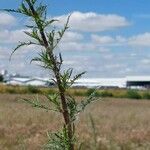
{"type": "Point", "coordinates": [121, 124]}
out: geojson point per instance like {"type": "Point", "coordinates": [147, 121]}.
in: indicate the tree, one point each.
{"type": "Point", "coordinates": [47, 37]}
{"type": "Point", "coordinates": [1, 78]}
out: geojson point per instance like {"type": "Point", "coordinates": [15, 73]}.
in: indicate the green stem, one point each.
{"type": "Point", "coordinates": [57, 76]}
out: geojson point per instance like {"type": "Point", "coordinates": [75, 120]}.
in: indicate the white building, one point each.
{"type": "Point", "coordinates": [101, 82]}
{"type": "Point", "coordinates": [138, 82]}
{"type": "Point", "coordinates": [25, 81]}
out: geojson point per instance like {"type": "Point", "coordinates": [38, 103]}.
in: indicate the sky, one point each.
{"type": "Point", "coordinates": [106, 38]}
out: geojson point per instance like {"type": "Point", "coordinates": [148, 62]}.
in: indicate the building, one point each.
{"type": "Point", "coordinates": [138, 82]}
{"type": "Point", "coordinates": [26, 81]}
{"type": "Point", "coordinates": [101, 83]}
{"type": "Point", "coordinates": [134, 82]}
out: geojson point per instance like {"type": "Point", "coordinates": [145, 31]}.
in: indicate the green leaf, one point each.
{"type": "Point", "coordinates": [47, 23]}
{"type": "Point", "coordinates": [33, 2]}
{"type": "Point", "coordinates": [84, 103]}
{"type": "Point", "coordinates": [72, 108]}
{"type": "Point", "coordinates": [37, 104]}
{"type": "Point", "coordinates": [54, 99]}
{"type": "Point", "coordinates": [31, 26]}
{"type": "Point", "coordinates": [61, 32]}
{"type": "Point", "coordinates": [24, 9]}
{"type": "Point", "coordinates": [36, 59]}
{"type": "Point", "coordinates": [76, 77]}
{"type": "Point", "coordinates": [21, 45]}
{"type": "Point", "coordinates": [59, 140]}
{"type": "Point", "coordinates": [65, 78]}
{"type": "Point", "coordinates": [11, 10]}
{"type": "Point", "coordinates": [41, 11]}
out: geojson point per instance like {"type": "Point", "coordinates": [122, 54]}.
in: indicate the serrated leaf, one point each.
{"type": "Point", "coordinates": [11, 10]}
{"type": "Point", "coordinates": [47, 23]}
{"type": "Point", "coordinates": [76, 77]}
{"type": "Point", "coordinates": [22, 44]}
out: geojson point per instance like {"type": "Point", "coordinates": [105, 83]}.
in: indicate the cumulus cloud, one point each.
{"type": "Point", "coordinates": [113, 66]}
{"type": "Point", "coordinates": [75, 41]}
{"type": "Point", "coordinates": [4, 52]}
{"type": "Point", "coordinates": [80, 46]}
{"type": "Point", "coordinates": [140, 40]}
{"type": "Point", "coordinates": [93, 22]}
{"type": "Point", "coordinates": [6, 19]}
{"type": "Point", "coordinates": [102, 39]}
{"type": "Point", "coordinates": [14, 36]}
{"type": "Point", "coordinates": [145, 61]}
{"type": "Point", "coordinates": [72, 36]}
{"type": "Point", "coordinates": [106, 40]}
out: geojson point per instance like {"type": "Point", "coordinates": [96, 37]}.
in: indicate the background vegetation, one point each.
{"type": "Point", "coordinates": [114, 93]}
{"type": "Point", "coordinates": [119, 124]}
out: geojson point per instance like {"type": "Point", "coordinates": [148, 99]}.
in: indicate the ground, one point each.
{"type": "Point", "coordinates": [121, 124]}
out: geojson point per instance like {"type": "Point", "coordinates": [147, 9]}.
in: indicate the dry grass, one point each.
{"type": "Point", "coordinates": [121, 124]}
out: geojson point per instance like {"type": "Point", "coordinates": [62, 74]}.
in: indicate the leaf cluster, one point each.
{"type": "Point", "coordinates": [54, 104]}
{"type": "Point", "coordinates": [38, 31]}
{"type": "Point", "coordinates": [59, 140]}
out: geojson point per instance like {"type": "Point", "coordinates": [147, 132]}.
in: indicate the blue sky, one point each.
{"type": "Point", "coordinates": [107, 38]}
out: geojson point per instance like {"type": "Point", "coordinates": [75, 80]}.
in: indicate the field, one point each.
{"type": "Point", "coordinates": [121, 124]}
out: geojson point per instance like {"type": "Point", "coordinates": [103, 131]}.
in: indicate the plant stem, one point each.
{"type": "Point", "coordinates": [56, 72]}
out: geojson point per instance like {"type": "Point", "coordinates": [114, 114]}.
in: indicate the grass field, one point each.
{"type": "Point", "coordinates": [121, 124]}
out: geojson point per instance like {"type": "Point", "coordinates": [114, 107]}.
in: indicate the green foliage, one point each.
{"type": "Point", "coordinates": [79, 93]}
{"type": "Point", "coordinates": [105, 94]}
{"type": "Point", "coordinates": [133, 94]}
{"type": "Point", "coordinates": [38, 104]}
{"type": "Point", "coordinates": [146, 95]}
{"type": "Point", "coordinates": [82, 105]}
{"type": "Point", "coordinates": [1, 78]}
{"type": "Point", "coordinates": [11, 91]}
{"type": "Point", "coordinates": [89, 92]}
{"type": "Point", "coordinates": [59, 140]}
{"type": "Point", "coordinates": [33, 89]}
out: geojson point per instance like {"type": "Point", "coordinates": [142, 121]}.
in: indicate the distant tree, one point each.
{"type": "Point", "coordinates": [43, 33]}
{"type": "Point", "coordinates": [1, 78]}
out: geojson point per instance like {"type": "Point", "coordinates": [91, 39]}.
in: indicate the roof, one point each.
{"type": "Point", "coordinates": [28, 81]}
{"type": "Point", "coordinates": [117, 82]}
{"type": "Point", "coordinates": [138, 78]}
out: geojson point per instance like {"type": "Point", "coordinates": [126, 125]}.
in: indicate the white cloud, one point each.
{"type": "Point", "coordinates": [14, 36]}
{"type": "Point", "coordinates": [72, 36]}
{"type": "Point", "coordinates": [145, 61]}
{"type": "Point", "coordinates": [81, 46]}
{"type": "Point", "coordinates": [106, 40]}
{"type": "Point", "coordinates": [140, 40]}
{"type": "Point", "coordinates": [113, 66]}
{"type": "Point", "coordinates": [102, 39]}
{"type": "Point", "coordinates": [121, 39]}
{"type": "Point", "coordinates": [69, 62]}
{"type": "Point", "coordinates": [6, 19]}
{"type": "Point", "coordinates": [4, 53]}
{"type": "Point", "coordinates": [108, 56]}
{"type": "Point", "coordinates": [103, 49]}
{"type": "Point", "coordinates": [93, 22]}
